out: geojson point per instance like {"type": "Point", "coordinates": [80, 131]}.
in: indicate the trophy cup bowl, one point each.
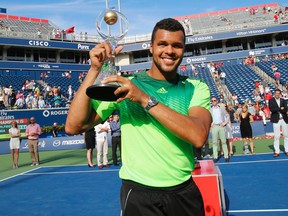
{"type": "Point", "coordinates": [112, 26]}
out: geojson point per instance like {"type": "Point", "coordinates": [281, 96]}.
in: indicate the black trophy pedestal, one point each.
{"type": "Point", "coordinates": [102, 92]}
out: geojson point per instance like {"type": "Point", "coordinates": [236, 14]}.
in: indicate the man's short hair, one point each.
{"type": "Point", "coordinates": [168, 24]}
{"type": "Point", "coordinates": [278, 90]}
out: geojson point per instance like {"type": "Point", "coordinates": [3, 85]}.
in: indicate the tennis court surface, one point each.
{"type": "Point", "coordinates": [253, 185]}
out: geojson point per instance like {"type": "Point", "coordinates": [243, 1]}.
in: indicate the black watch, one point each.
{"type": "Point", "coordinates": [151, 103]}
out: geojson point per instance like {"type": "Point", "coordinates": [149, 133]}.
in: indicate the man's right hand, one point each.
{"type": "Point", "coordinates": [102, 52]}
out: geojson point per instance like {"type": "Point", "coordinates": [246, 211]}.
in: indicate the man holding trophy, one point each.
{"type": "Point", "coordinates": [163, 115]}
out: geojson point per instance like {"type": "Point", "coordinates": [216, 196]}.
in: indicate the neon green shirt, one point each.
{"type": "Point", "coordinates": [151, 154]}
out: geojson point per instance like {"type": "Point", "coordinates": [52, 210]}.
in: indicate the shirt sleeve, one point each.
{"type": "Point", "coordinates": [27, 130]}
{"type": "Point", "coordinates": [39, 129]}
{"type": "Point", "coordinates": [104, 109]}
{"type": "Point", "coordinates": [201, 96]}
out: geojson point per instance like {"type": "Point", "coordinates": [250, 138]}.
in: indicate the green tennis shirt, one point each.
{"type": "Point", "coordinates": [151, 154]}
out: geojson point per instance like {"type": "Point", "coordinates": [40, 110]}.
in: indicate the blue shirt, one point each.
{"type": "Point", "coordinates": [115, 128]}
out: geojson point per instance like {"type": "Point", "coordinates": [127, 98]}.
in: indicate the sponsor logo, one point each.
{"type": "Point", "coordinates": [83, 47]}
{"type": "Point", "coordinates": [162, 91]}
{"type": "Point", "coordinates": [251, 53]}
{"type": "Point", "coordinates": [47, 113]}
{"type": "Point", "coordinates": [258, 31]}
{"type": "Point", "coordinates": [56, 143]}
{"type": "Point", "coordinates": [236, 129]}
{"type": "Point", "coordinates": [73, 142]}
{"type": "Point", "coordinates": [145, 45]}
{"type": "Point", "coordinates": [38, 43]}
{"type": "Point", "coordinates": [200, 59]}
{"type": "Point", "coordinates": [256, 52]}
{"type": "Point", "coordinates": [46, 66]}
{"type": "Point", "coordinates": [41, 143]}
{"type": "Point", "coordinates": [198, 39]}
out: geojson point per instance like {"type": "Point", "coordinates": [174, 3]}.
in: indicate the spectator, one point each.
{"type": "Point", "coordinates": [231, 112]}
{"type": "Point", "coordinates": [34, 103]}
{"type": "Point", "coordinates": [223, 77]}
{"type": "Point", "coordinates": [20, 94]}
{"type": "Point", "coordinates": [47, 105]}
{"type": "Point", "coordinates": [264, 9]}
{"type": "Point", "coordinates": [268, 97]}
{"type": "Point", "coordinates": [55, 129]}
{"type": "Point", "coordinates": [12, 98]}
{"type": "Point", "coordinates": [277, 77]}
{"type": "Point", "coordinates": [286, 85]}
{"type": "Point", "coordinates": [279, 118]}
{"type": "Point", "coordinates": [228, 131]}
{"type": "Point", "coordinates": [262, 114]}
{"type": "Point", "coordinates": [235, 100]}
{"type": "Point", "coordinates": [59, 91]}
{"type": "Point", "coordinates": [267, 89]}
{"type": "Point", "coordinates": [33, 131]}
{"type": "Point", "coordinates": [37, 91]}
{"type": "Point", "coordinates": [102, 144]}
{"type": "Point", "coordinates": [70, 92]}
{"type": "Point", "coordinates": [68, 104]}
{"type": "Point", "coordinates": [41, 103]}
{"type": "Point", "coordinates": [261, 89]}
{"type": "Point", "coordinates": [246, 130]}
{"type": "Point", "coordinates": [90, 141]}
{"type": "Point", "coordinates": [276, 18]}
{"type": "Point", "coordinates": [218, 114]}
{"type": "Point", "coordinates": [14, 143]}
{"type": "Point", "coordinates": [47, 90]}
{"type": "Point", "coordinates": [266, 111]}
{"type": "Point", "coordinates": [28, 100]}
{"type": "Point", "coordinates": [19, 104]}
{"type": "Point", "coordinates": [57, 100]}
{"type": "Point", "coordinates": [39, 33]}
{"type": "Point", "coordinates": [116, 138]}
{"type": "Point", "coordinates": [238, 111]}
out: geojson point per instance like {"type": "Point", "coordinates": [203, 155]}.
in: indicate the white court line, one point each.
{"type": "Point", "coordinates": [258, 210]}
{"type": "Point", "coordinates": [73, 165]}
{"type": "Point", "coordinates": [24, 173]}
{"type": "Point", "coordinates": [256, 161]}
{"type": "Point", "coordinates": [72, 172]}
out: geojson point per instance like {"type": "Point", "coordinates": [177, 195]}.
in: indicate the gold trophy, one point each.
{"type": "Point", "coordinates": [112, 26]}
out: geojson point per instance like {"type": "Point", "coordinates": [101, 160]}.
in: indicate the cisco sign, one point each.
{"type": "Point", "coordinates": [38, 43]}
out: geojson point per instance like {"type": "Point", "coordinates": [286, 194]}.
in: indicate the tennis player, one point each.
{"type": "Point", "coordinates": [163, 115]}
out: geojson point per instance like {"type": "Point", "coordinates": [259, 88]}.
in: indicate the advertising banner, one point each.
{"type": "Point", "coordinates": [44, 117]}
{"type": "Point", "coordinates": [48, 144]}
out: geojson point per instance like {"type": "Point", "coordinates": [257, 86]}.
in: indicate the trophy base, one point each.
{"type": "Point", "coordinates": [102, 92]}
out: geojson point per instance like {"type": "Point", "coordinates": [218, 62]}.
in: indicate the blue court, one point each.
{"type": "Point", "coordinates": [253, 185]}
